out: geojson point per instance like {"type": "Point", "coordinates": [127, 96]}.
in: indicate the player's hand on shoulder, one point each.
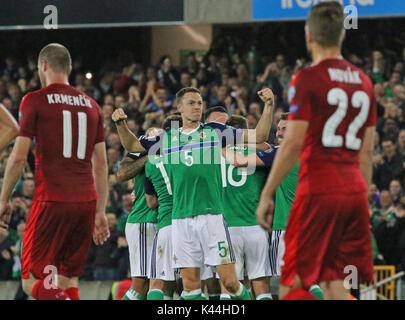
{"type": "Point", "coordinates": [267, 96]}
{"type": "Point", "coordinates": [5, 214]}
{"type": "Point", "coordinates": [101, 231]}
{"type": "Point", "coordinates": [119, 115]}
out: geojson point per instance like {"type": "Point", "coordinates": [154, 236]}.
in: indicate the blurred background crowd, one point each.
{"type": "Point", "coordinates": [229, 74]}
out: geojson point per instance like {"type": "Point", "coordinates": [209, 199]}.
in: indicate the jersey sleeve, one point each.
{"type": "Point", "coordinates": [100, 127]}
{"type": "Point", "coordinates": [135, 156]}
{"type": "Point", "coordinates": [228, 135]}
{"type": "Point", "coordinates": [268, 156]}
{"type": "Point", "coordinates": [299, 98]}
{"type": "Point", "coordinates": [155, 142]}
{"type": "Point", "coordinates": [28, 117]}
{"type": "Point", "coordinates": [149, 188]}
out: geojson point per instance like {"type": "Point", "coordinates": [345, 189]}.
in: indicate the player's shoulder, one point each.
{"type": "Point", "coordinates": [29, 97]}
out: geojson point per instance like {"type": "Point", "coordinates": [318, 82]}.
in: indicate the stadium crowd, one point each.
{"type": "Point", "coordinates": [227, 78]}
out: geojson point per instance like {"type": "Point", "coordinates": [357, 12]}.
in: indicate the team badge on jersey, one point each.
{"type": "Point", "coordinates": [203, 135]}
{"type": "Point", "coordinates": [293, 108]}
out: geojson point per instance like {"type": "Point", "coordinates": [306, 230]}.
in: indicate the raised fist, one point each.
{"type": "Point", "coordinates": [267, 96]}
{"type": "Point", "coordinates": [119, 115]}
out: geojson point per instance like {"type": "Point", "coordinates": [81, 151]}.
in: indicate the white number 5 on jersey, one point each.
{"type": "Point", "coordinates": [339, 97]}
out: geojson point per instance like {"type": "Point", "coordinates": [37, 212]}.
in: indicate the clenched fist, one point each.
{"type": "Point", "coordinates": [119, 115]}
{"type": "Point", "coordinates": [267, 96]}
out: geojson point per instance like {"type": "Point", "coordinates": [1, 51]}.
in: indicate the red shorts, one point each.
{"type": "Point", "coordinates": [57, 234]}
{"type": "Point", "coordinates": [326, 233]}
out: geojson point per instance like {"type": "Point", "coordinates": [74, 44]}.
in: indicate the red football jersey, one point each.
{"type": "Point", "coordinates": [66, 124]}
{"type": "Point", "coordinates": [338, 100]}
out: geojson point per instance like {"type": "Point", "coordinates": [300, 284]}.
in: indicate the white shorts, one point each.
{"type": "Point", "coordinates": [140, 241]}
{"type": "Point", "coordinates": [276, 251]}
{"type": "Point", "coordinates": [206, 272]}
{"type": "Point", "coordinates": [251, 246]}
{"type": "Point", "coordinates": [162, 254]}
{"type": "Point", "coordinates": [199, 240]}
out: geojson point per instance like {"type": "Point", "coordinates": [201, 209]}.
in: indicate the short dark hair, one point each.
{"type": "Point", "coordinates": [167, 123]}
{"type": "Point", "coordinates": [385, 139]}
{"type": "Point", "coordinates": [180, 94]}
{"type": "Point", "coordinates": [325, 22]}
{"type": "Point", "coordinates": [284, 116]}
{"type": "Point", "coordinates": [214, 109]}
{"type": "Point", "coordinates": [238, 122]}
{"type": "Point", "coordinates": [57, 56]}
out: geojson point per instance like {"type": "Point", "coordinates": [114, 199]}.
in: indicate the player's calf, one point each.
{"type": "Point", "coordinates": [261, 288]}
{"type": "Point", "coordinates": [229, 280]}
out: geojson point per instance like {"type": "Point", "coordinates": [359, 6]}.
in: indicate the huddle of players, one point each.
{"type": "Point", "coordinates": [243, 172]}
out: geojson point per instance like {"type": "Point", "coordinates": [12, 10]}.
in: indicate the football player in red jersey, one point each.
{"type": "Point", "coordinates": [69, 203]}
{"type": "Point", "coordinates": [8, 127]}
{"type": "Point", "coordinates": [331, 128]}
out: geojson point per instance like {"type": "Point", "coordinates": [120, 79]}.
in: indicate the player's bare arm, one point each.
{"type": "Point", "coordinates": [366, 154]}
{"type": "Point", "coordinates": [100, 171]}
{"type": "Point", "coordinates": [14, 171]}
{"type": "Point", "coordinates": [287, 155]}
{"type": "Point", "coordinates": [130, 168]}
{"type": "Point", "coordinates": [8, 127]}
{"type": "Point", "coordinates": [241, 160]}
{"type": "Point", "coordinates": [261, 133]}
{"type": "Point", "coordinates": [130, 142]}
{"type": "Point", "coordinates": [152, 201]}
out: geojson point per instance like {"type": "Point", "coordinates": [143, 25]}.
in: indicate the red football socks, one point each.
{"type": "Point", "coordinates": [39, 292]}
{"type": "Point", "coordinates": [73, 293]}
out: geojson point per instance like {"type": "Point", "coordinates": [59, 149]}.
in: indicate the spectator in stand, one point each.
{"type": "Point", "coordinates": [389, 165]}
{"type": "Point", "coordinates": [124, 211]}
{"type": "Point", "coordinates": [373, 197]}
{"type": "Point", "coordinates": [401, 142]}
{"type": "Point", "coordinates": [16, 249]}
{"type": "Point", "coordinates": [395, 191]}
{"type": "Point", "coordinates": [161, 100]}
{"type": "Point", "coordinates": [191, 65]}
{"type": "Point", "coordinates": [105, 259]}
{"type": "Point", "coordinates": [167, 75]}
{"type": "Point", "coordinates": [105, 86]}
{"type": "Point", "coordinates": [28, 187]}
{"type": "Point", "coordinates": [386, 211]}
{"type": "Point", "coordinates": [6, 255]}
{"type": "Point", "coordinates": [113, 157]}
{"type": "Point", "coordinates": [252, 120]}
{"type": "Point", "coordinates": [386, 229]}
{"type": "Point", "coordinates": [20, 210]}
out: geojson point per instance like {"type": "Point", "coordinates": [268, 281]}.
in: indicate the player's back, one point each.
{"type": "Point", "coordinates": [66, 125]}
{"type": "Point", "coordinates": [337, 99]}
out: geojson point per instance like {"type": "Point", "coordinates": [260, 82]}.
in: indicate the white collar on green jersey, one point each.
{"type": "Point", "coordinates": [188, 133]}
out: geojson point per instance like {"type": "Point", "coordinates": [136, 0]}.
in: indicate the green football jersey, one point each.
{"type": "Point", "coordinates": [194, 166]}
{"type": "Point", "coordinates": [285, 194]}
{"type": "Point", "coordinates": [141, 213]}
{"type": "Point", "coordinates": [156, 173]}
{"type": "Point", "coordinates": [241, 191]}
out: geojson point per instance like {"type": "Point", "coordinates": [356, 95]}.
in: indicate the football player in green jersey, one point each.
{"type": "Point", "coordinates": [158, 193]}
{"type": "Point", "coordinates": [284, 198]}
{"type": "Point", "coordinates": [140, 227]}
{"type": "Point", "coordinates": [200, 234]}
{"type": "Point", "coordinates": [241, 193]}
